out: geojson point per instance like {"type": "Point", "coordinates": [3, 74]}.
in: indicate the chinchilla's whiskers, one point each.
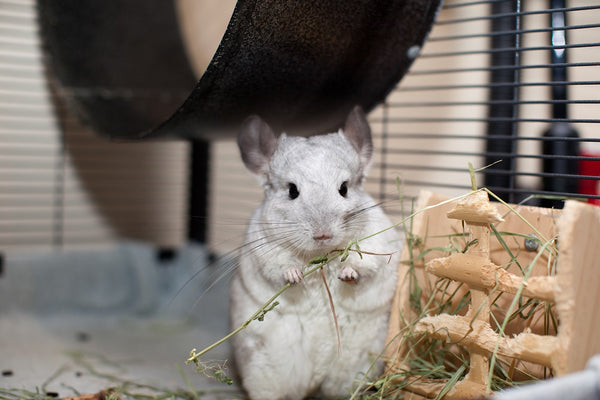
{"type": "Point", "coordinates": [276, 241]}
{"type": "Point", "coordinates": [266, 225]}
{"type": "Point", "coordinates": [270, 237]}
{"type": "Point", "coordinates": [264, 244]}
{"type": "Point", "coordinates": [293, 245]}
{"type": "Point", "coordinates": [261, 222]}
{"type": "Point", "coordinates": [276, 235]}
{"type": "Point", "coordinates": [274, 223]}
{"type": "Point", "coordinates": [213, 279]}
{"type": "Point", "coordinates": [357, 216]}
{"type": "Point", "coordinates": [273, 231]}
{"type": "Point", "coordinates": [242, 236]}
{"type": "Point", "coordinates": [295, 240]}
{"type": "Point", "coordinates": [269, 240]}
{"type": "Point", "coordinates": [267, 243]}
{"type": "Point", "coordinates": [225, 264]}
{"type": "Point", "coordinates": [365, 207]}
{"type": "Point", "coordinates": [188, 281]}
{"type": "Point", "coordinates": [210, 265]}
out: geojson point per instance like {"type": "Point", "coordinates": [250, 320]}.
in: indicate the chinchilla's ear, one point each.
{"type": "Point", "coordinates": [357, 130]}
{"type": "Point", "coordinates": [257, 143]}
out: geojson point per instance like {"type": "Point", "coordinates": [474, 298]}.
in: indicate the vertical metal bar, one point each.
{"type": "Point", "coordinates": [58, 202]}
{"type": "Point", "coordinates": [560, 128]}
{"type": "Point", "coordinates": [558, 55]}
{"type": "Point", "coordinates": [502, 117]}
{"type": "Point", "coordinates": [383, 152]}
{"type": "Point", "coordinates": [199, 189]}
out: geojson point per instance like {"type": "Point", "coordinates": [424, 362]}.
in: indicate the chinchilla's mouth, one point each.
{"type": "Point", "coordinates": [326, 245]}
{"type": "Point", "coordinates": [319, 244]}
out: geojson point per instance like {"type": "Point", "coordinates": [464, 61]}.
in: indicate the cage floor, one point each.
{"type": "Point", "coordinates": [69, 351]}
{"type": "Point", "coordinates": [69, 355]}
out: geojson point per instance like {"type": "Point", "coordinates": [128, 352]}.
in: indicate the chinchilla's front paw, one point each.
{"type": "Point", "coordinates": [348, 274]}
{"type": "Point", "coordinates": [293, 275]}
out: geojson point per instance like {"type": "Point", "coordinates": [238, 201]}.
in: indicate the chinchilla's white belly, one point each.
{"type": "Point", "coordinates": [301, 331]}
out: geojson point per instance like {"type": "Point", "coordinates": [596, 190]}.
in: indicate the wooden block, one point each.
{"type": "Point", "coordinates": [480, 338]}
{"type": "Point", "coordinates": [476, 208]}
{"type": "Point", "coordinates": [479, 273]}
{"type": "Point", "coordinates": [432, 228]}
{"type": "Point", "coordinates": [578, 285]}
{"type": "Point", "coordinates": [575, 288]}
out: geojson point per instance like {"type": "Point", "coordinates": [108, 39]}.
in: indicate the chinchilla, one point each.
{"type": "Point", "coordinates": [314, 205]}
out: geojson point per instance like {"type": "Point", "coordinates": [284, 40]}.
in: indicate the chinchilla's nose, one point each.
{"type": "Point", "coordinates": [322, 235]}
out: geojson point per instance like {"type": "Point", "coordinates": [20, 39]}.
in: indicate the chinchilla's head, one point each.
{"type": "Point", "coordinates": [314, 200]}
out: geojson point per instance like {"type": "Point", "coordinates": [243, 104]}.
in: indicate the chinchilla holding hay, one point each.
{"type": "Point", "coordinates": [314, 203]}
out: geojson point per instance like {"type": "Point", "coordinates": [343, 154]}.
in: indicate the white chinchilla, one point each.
{"type": "Point", "coordinates": [314, 204]}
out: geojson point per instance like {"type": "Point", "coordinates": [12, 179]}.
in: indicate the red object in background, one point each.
{"type": "Point", "coordinates": [590, 168]}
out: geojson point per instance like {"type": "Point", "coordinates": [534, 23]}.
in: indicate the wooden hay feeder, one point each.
{"type": "Point", "coordinates": [486, 269]}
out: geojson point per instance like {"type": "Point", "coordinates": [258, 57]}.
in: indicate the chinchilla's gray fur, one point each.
{"type": "Point", "coordinates": [314, 203]}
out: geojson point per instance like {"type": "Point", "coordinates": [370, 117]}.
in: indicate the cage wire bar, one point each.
{"type": "Point", "coordinates": [502, 117]}
{"type": "Point", "coordinates": [518, 85]}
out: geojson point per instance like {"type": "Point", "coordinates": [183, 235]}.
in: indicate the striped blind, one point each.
{"type": "Point", "coordinates": [61, 186]}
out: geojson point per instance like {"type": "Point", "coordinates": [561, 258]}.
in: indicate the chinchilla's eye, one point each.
{"type": "Point", "coordinates": [293, 191]}
{"type": "Point", "coordinates": [343, 189]}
